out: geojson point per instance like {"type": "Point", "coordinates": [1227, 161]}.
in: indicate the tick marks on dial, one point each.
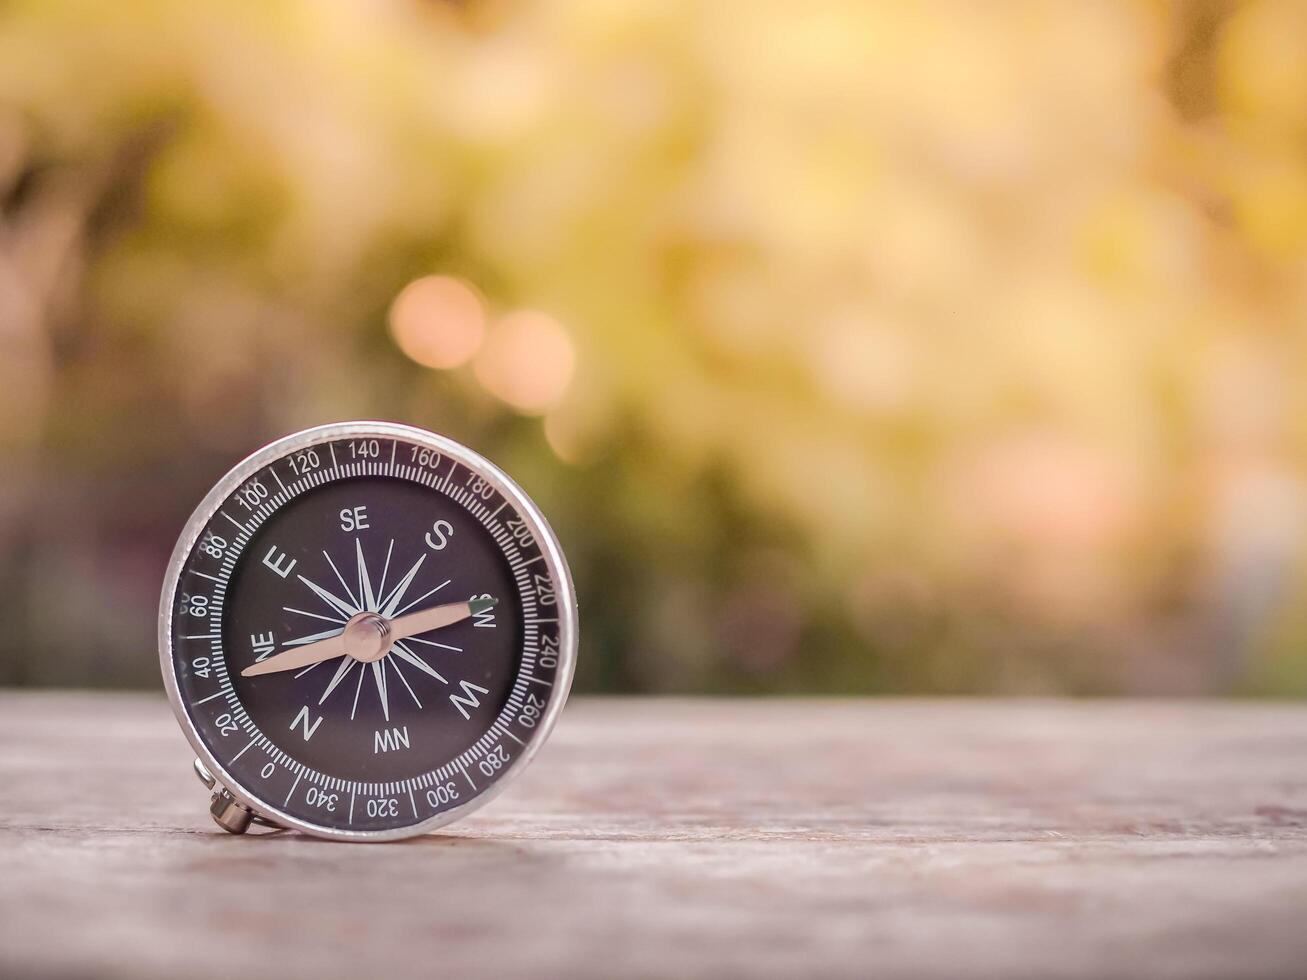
{"type": "Point", "coordinates": [246, 749]}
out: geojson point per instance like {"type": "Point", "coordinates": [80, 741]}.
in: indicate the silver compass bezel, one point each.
{"type": "Point", "coordinates": [488, 471]}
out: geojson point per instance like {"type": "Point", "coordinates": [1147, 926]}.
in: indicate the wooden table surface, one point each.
{"type": "Point", "coordinates": [693, 838]}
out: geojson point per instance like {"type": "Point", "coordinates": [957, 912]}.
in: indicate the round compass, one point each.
{"type": "Point", "coordinates": [366, 629]}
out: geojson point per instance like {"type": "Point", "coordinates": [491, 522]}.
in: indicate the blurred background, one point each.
{"type": "Point", "coordinates": [850, 347]}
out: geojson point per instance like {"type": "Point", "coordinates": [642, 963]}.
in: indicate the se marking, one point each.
{"type": "Point", "coordinates": [354, 519]}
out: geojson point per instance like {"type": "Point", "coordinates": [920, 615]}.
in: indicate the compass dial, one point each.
{"type": "Point", "coordinates": [365, 629]}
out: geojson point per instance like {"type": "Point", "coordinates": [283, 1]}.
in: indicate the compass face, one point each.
{"type": "Point", "coordinates": [365, 629]}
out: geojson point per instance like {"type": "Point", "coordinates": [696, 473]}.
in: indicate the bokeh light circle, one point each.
{"type": "Point", "coordinates": [527, 361]}
{"type": "Point", "coordinates": [438, 321]}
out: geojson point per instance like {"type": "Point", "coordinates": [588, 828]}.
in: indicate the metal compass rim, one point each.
{"type": "Point", "coordinates": [317, 435]}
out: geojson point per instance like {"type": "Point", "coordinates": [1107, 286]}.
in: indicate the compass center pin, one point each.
{"type": "Point", "coordinates": [367, 637]}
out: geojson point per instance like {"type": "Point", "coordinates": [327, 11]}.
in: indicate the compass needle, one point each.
{"type": "Point", "coordinates": [476, 629]}
{"type": "Point", "coordinates": [426, 595]}
{"type": "Point", "coordinates": [368, 636]}
{"type": "Point", "coordinates": [438, 617]}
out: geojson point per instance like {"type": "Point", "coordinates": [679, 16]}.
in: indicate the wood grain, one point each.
{"type": "Point", "coordinates": [693, 838]}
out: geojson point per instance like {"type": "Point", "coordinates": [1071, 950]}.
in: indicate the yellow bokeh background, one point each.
{"type": "Point", "coordinates": [851, 347]}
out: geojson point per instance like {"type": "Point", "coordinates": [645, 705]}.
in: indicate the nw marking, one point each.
{"type": "Point", "coordinates": [389, 740]}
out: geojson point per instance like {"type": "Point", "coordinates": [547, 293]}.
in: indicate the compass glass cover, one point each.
{"type": "Point", "coordinates": [383, 524]}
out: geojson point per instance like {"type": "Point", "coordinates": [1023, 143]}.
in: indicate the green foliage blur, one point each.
{"type": "Point", "coordinates": [850, 347]}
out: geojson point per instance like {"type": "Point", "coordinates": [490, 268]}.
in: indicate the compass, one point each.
{"type": "Point", "coordinates": [366, 630]}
